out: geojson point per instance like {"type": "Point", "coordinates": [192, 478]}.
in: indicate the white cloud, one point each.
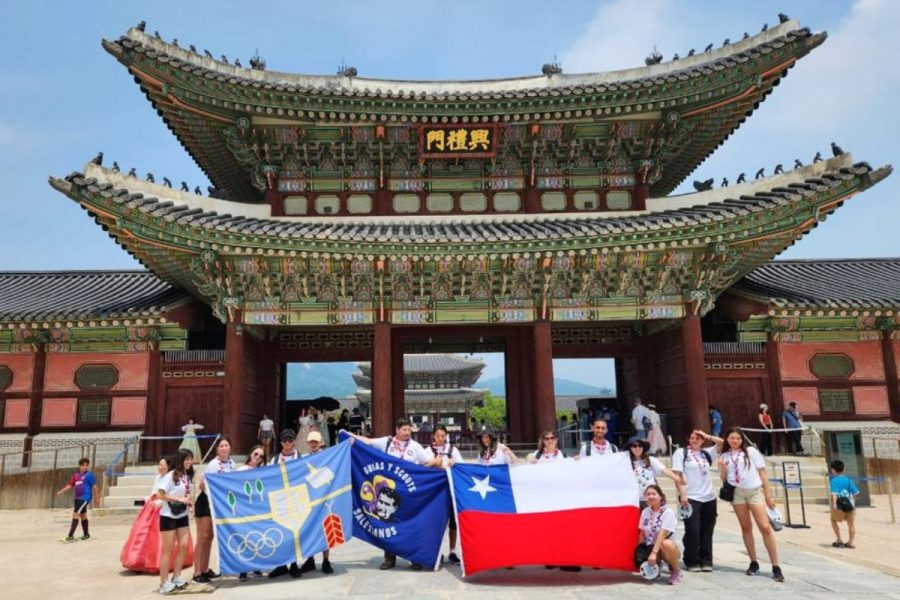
{"type": "Point", "coordinates": [622, 34]}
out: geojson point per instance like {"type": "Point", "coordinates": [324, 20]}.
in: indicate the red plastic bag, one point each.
{"type": "Point", "coordinates": [141, 550]}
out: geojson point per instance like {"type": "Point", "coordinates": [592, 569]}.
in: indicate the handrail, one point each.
{"type": "Point", "coordinates": [122, 454]}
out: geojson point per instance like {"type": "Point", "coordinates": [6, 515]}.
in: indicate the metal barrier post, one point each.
{"type": "Point", "coordinates": [55, 457]}
{"type": "Point", "coordinates": [891, 499]}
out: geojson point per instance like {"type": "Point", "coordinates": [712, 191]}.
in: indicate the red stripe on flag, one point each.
{"type": "Point", "coordinates": [589, 537]}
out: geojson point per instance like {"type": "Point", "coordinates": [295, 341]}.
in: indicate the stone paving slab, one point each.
{"type": "Point", "coordinates": [38, 566]}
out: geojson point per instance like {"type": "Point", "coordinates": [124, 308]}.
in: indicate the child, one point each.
{"type": "Point", "coordinates": [85, 486]}
{"type": "Point", "coordinates": [843, 504]}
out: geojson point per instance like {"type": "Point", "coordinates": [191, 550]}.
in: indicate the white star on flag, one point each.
{"type": "Point", "coordinates": [482, 486]}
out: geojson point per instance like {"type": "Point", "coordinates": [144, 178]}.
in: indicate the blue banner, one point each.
{"type": "Point", "coordinates": [399, 506]}
{"type": "Point", "coordinates": [279, 514]}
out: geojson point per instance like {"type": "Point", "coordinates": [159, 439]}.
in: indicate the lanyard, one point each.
{"type": "Point", "coordinates": [734, 459]}
{"type": "Point", "coordinates": [654, 523]}
{"type": "Point", "coordinates": [701, 464]}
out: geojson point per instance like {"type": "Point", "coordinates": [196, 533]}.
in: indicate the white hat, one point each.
{"type": "Point", "coordinates": [314, 436]}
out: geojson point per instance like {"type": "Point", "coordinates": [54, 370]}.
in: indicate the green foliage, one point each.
{"type": "Point", "coordinates": [493, 411]}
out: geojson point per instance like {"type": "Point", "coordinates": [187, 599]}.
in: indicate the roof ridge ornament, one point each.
{"type": "Point", "coordinates": [654, 58]}
{"type": "Point", "coordinates": [551, 69]}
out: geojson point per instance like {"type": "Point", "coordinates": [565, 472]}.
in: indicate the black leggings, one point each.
{"type": "Point", "coordinates": [698, 533]}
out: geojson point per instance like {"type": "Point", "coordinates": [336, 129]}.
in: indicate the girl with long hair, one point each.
{"type": "Point", "coordinates": [657, 526]}
{"type": "Point", "coordinates": [745, 468]}
{"type": "Point", "coordinates": [448, 455]}
{"type": "Point", "coordinates": [491, 451]}
{"type": "Point", "coordinates": [220, 463]}
{"type": "Point", "coordinates": [647, 468]}
{"type": "Point", "coordinates": [694, 463]}
{"type": "Point", "coordinates": [174, 490]}
{"type": "Point", "coordinates": [547, 448]}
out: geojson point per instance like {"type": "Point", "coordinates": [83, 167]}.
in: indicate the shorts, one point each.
{"type": "Point", "coordinates": [81, 506]}
{"type": "Point", "coordinates": [170, 524]}
{"type": "Point", "coordinates": [748, 496]}
{"type": "Point", "coordinates": [266, 435]}
{"type": "Point", "coordinates": [838, 516]}
{"type": "Point", "coordinates": [451, 524]}
{"type": "Point", "coordinates": [201, 506]}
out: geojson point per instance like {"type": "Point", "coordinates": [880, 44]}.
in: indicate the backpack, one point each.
{"type": "Point", "coordinates": [540, 453]}
{"type": "Point", "coordinates": [647, 423]}
{"type": "Point", "coordinates": [449, 451]}
{"type": "Point", "coordinates": [844, 504]}
{"type": "Point", "coordinates": [705, 454]}
{"type": "Point", "coordinates": [590, 446]}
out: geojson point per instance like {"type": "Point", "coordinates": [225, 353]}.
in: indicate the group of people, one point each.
{"type": "Point", "coordinates": [792, 423]}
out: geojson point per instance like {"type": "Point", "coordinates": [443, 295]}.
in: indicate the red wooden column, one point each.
{"type": "Point", "coordinates": [398, 381]}
{"type": "Point", "coordinates": [382, 399]}
{"type": "Point", "coordinates": [514, 396]}
{"type": "Point", "coordinates": [694, 373]}
{"type": "Point", "coordinates": [544, 397]}
{"type": "Point", "coordinates": [36, 400]}
{"type": "Point", "coordinates": [234, 378]}
{"type": "Point", "coordinates": [154, 404]}
{"type": "Point", "coordinates": [889, 356]}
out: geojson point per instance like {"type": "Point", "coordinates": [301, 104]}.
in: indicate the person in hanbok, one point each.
{"type": "Point", "coordinates": [655, 436]}
{"type": "Point", "coordinates": [304, 426]}
{"type": "Point", "coordinates": [140, 552]}
{"type": "Point", "coordinates": [189, 442]}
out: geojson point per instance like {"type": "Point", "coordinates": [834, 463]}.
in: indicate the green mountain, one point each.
{"type": "Point", "coordinates": [306, 381]}
{"type": "Point", "coordinates": [562, 387]}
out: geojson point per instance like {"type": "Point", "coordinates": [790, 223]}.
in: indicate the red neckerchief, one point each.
{"type": "Point", "coordinates": [186, 482]}
{"type": "Point", "coordinates": [701, 464]}
{"type": "Point", "coordinates": [400, 448]}
{"type": "Point", "coordinates": [600, 449]}
{"type": "Point", "coordinates": [655, 524]}
{"type": "Point", "coordinates": [548, 456]}
{"type": "Point", "coordinates": [221, 468]}
{"type": "Point", "coordinates": [439, 450]}
{"type": "Point", "coordinates": [282, 457]}
{"type": "Point", "coordinates": [734, 457]}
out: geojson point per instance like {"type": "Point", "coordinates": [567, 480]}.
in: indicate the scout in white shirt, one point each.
{"type": "Point", "coordinates": [175, 493]}
{"type": "Point", "coordinates": [548, 448]}
{"type": "Point", "coordinates": [598, 446]}
{"type": "Point", "coordinates": [657, 527]}
{"type": "Point", "coordinates": [220, 463]}
{"type": "Point", "coordinates": [449, 455]}
{"type": "Point", "coordinates": [315, 444]}
{"type": "Point", "coordinates": [695, 463]}
{"type": "Point", "coordinates": [744, 468]}
{"type": "Point", "coordinates": [647, 468]}
{"type": "Point", "coordinates": [492, 452]}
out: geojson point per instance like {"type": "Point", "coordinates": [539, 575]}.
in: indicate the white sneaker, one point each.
{"type": "Point", "coordinates": [167, 588]}
{"type": "Point", "coordinates": [179, 582]}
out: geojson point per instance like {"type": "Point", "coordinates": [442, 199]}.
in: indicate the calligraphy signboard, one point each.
{"type": "Point", "coordinates": [457, 141]}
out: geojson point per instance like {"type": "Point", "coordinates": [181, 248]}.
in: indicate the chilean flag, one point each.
{"type": "Point", "coordinates": [564, 512]}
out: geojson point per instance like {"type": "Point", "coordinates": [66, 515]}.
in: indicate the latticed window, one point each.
{"type": "Point", "coordinates": [836, 401]}
{"type": "Point", "coordinates": [473, 202]}
{"type": "Point", "coordinates": [586, 200]}
{"type": "Point", "coordinates": [96, 377]}
{"type": "Point", "coordinates": [553, 201]}
{"type": "Point", "coordinates": [6, 377]}
{"type": "Point", "coordinates": [439, 203]}
{"type": "Point", "coordinates": [831, 366]}
{"type": "Point", "coordinates": [406, 203]}
{"type": "Point", "coordinates": [359, 204]}
{"type": "Point", "coordinates": [328, 205]}
{"type": "Point", "coordinates": [618, 200]}
{"type": "Point", "coordinates": [93, 411]}
{"type": "Point", "coordinates": [295, 205]}
{"type": "Point", "coordinates": [507, 202]}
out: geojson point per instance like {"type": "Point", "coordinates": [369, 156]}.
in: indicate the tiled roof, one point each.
{"type": "Point", "coordinates": [481, 228]}
{"type": "Point", "coordinates": [48, 295]}
{"type": "Point", "coordinates": [432, 363]}
{"type": "Point", "coordinates": [839, 283]}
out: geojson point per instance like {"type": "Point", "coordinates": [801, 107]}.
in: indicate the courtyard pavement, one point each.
{"type": "Point", "coordinates": [36, 565]}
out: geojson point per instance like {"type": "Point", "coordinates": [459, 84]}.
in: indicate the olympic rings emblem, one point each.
{"type": "Point", "coordinates": [255, 544]}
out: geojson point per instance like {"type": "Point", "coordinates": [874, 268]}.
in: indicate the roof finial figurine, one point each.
{"type": "Point", "coordinates": [745, 36]}
{"type": "Point", "coordinates": [727, 42]}
{"type": "Point", "coordinates": [708, 48]}
{"type": "Point", "coordinates": [132, 172]}
{"type": "Point", "coordinates": [224, 59]}
{"type": "Point", "coordinates": [150, 177]}
{"type": "Point", "coordinates": [98, 160]}
{"type": "Point", "coordinates": [156, 35]}
{"type": "Point", "coordinates": [237, 63]}
{"type": "Point", "coordinates": [115, 167]}
{"type": "Point", "coordinates": [193, 48]}
{"type": "Point", "coordinates": [257, 63]}
{"type": "Point", "coordinates": [676, 57]}
{"type": "Point", "coordinates": [741, 178]}
{"type": "Point", "coordinates": [175, 42]}
{"type": "Point", "coordinates": [817, 157]}
{"type": "Point", "coordinates": [779, 169]}
{"type": "Point", "coordinates": [141, 26]}
{"type": "Point", "coordinates": [765, 28]}
{"type": "Point", "coordinates": [166, 182]}
{"type": "Point", "coordinates": [551, 69]}
{"type": "Point", "coordinates": [724, 182]}
{"type": "Point", "coordinates": [654, 58]}
{"type": "Point", "coordinates": [207, 53]}
{"type": "Point", "coordinates": [197, 191]}
{"type": "Point", "coordinates": [691, 52]}
{"type": "Point", "coordinates": [702, 186]}
{"type": "Point", "coordinates": [760, 174]}
{"type": "Point", "coordinates": [836, 150]}
{"type": "Point", "coordinates": [783, 18]}
{"type": "Point", "coordinates": [798, 164]}
{"type": "Point", "coordinates": [184, 187]}
{"type": "Point", "coordinates": [345, 71]}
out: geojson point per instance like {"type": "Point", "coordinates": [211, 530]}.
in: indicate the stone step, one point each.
{"type": "Point", "coordinates": [108, 511]}
{"type": "Point", "coordinates": [120, 502]}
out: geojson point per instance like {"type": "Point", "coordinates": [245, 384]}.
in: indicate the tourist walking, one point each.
{"type": "Point", "coordinates": [647, 468]}
{"type": "Point", "coordinates": [288, 453]}
{"type": "Point", "coordinates": [640, 419]}
{"type": "Point", "coordinates": [402, 446]}
{"type": "Point", "coordinates": [449, 455]}
{"type": "Point", "coordinates": [220, 463]}
{"type": "Point", "coordinates": [356, 422]}
{"type": "Point", "coordinates": [793, 422]}
{"type": "Point", "coordinates": [84, 485]}
{"type": "Point", "coordinates": [658, 445]}
{"type": "Point", "coordinates": [598, 445]}
{"type": "Point", "coordinates": [715, 421]}
{"type": "Point", "coordinates": [315, 443]}
{"type": "Point", "coordinates": [658, 525]}
{"type": "Point", "coordinates": [174, 490]}
{"type": "Point", "coordinates": [189, 440]}
{"type": "Point", "coordinates": [694, 463]}
{"type": "Point", "coordinates": [743, 468]}
{"type": "Point", "coordinates": [843, 504]}
{"type": "Point", "coordinates": [765, 436]}
{"type": "Point", "coordinates": [255, 458]}
{"type": "Point", "coordinates": [265, 433]}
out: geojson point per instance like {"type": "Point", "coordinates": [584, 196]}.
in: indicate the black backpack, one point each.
{"type": "Point", "coordinates": [590, 446]}
{"type": "Point", "coordinates": [449, 451]}
{"type": "Point", "coordinates": [647, 423]}
{"type": "Point", "coordinates": [844, 504]}
{"type": "Point", "coordinates": [705, 454]}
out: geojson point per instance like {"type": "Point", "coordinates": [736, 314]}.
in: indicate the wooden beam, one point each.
{"type": "Point", "coordinates": [36, 399]}
{"type": "Point", "coordinates": [694, 373]}
{"type": "Point", "coordinates": [382, 403]}
{"type": "Point", "coordinates": [544, 394]}
{"type": "Point", "coordinates": [234, 379]}
{"type": "Point", "coordinates": [890, 375]}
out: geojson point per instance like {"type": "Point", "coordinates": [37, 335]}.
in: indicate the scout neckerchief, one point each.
{"type": "Point", "coordinates": [695, 456]}
{"type": "Point", "coordinates": [399, 447]}
{"type": "Point", "coordinates": [734, 458]}
{"type": "Point", "coordinates": [653, 522]}
{"type": "Point", "coordinates": [600, 449]}
{"type": "Point", "coordinates": [283, 458]}
{"type": "Point", "coordinates": [550, 455]}
{"type": "Point", "coordinates": [224, 467]}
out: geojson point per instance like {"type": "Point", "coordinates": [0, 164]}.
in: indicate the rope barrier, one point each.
{"type": "Point", "coordinates": [207, 436]}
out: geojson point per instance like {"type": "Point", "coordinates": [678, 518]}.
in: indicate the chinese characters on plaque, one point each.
{"type": "Point", "coordinates": [463, 141]}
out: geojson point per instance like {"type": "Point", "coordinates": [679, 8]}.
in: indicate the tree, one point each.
{"type": "Point", "coordinates": [493, 411]}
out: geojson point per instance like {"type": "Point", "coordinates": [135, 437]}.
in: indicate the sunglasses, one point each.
{"type": "Point", "coordinates": [549, 437]}
{"type": "Point", "coordinates": [637, 446]}
{"type": "Point", "coordinates": [257, 455]}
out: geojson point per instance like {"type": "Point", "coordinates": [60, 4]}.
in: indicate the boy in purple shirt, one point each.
{"type": "Point", "coordinates": [85, 486]}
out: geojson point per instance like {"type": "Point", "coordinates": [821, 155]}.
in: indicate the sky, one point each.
{"type": "Point", "coordinates": [63, 99]}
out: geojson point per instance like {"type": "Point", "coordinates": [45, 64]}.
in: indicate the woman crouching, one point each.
{"type": "Point", "coordinates": [658, 522]}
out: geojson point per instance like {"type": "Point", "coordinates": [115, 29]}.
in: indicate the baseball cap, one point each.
{"type": "Point", "coordinates": [314, 436]}
{"type": "Point", "coordinates": [288, 435]}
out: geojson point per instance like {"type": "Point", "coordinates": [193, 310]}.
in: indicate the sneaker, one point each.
{"type": "Point", "coordinates": [295, 571]}
{"type": "Point", "coordinates": [777, 575]}
{"type": "Point", "coordinates": [86, 537]}
{"type": "Point", "coordinates": [68, 538]}
{"type": "Point", "coordinates": [550, 567]}
{"type": "Point", "coordinates": [753, 569]}
{"type": "Point", "coordinates": [389, 563]}
{"type": "Point", "coordinates": [167, 588]}
{"type": "Point", "coordinates": [278, 572]}
{"type": "Point", "coordinates": [179, 582]}
{"type": "Point", "coordinates": [210, 574]}
{"type": "Point", "coordinates": [675, 578]}
{"type": "Point", "coordinates": [326, 567]}
{"type": "Point", "coordinates": [571, 569]}
{"type": "Point", "coordinates": [452, 558]}
{"type": "Point", "coordinates": [201, 578]}
{"type": "Point", "coordinates": [849, 546]}
{"type": "Point", "coordinates": [415, 566]}
{"type": "Point", "coordinates": [692, 568]}
{"type": "Point", "coordinates": [242, 577]}
{"type": "Point", "coordinates": [837, 544]}
{"type": "Point", "coordinates": [706, 568]}
{"type": "Point", "coordinates": [309, 565]}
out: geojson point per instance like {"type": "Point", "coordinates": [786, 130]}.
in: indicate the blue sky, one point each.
{"type": "Point", "coordinates": [64, 98]}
